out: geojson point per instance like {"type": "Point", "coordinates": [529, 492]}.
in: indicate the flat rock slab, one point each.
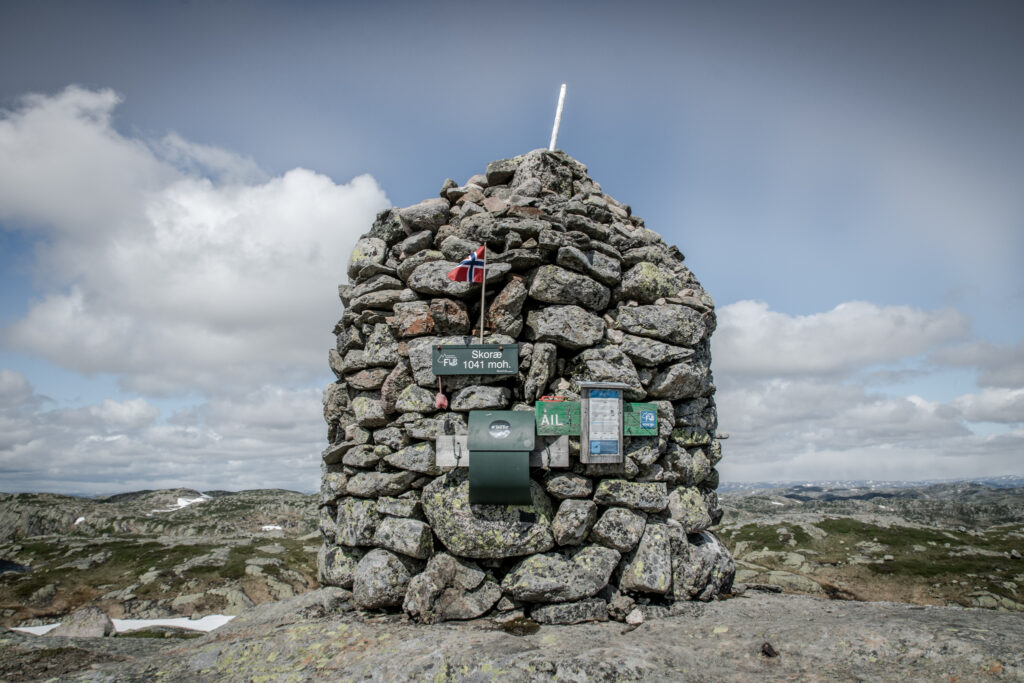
{"type": "Point", "coordinates": [816, 639]}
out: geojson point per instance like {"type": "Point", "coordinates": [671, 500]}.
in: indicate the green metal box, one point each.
{"type": "Point", "coordinates": [500, 442]}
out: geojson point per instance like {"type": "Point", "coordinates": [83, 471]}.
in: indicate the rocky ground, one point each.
{"type": "Point", "coordinates": [945, 544]}
{"type": "Point", "coordinates": [755, 636]}
{"type": "Point", "coordinates": [143, 555]}
{"type": "Point", "coordinates": [934, 554]}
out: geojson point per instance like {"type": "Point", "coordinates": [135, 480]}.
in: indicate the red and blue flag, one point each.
{"type": "Point", "coordinates": [471, 269]}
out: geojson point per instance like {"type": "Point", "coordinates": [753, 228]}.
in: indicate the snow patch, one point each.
{"type": "Point", "coordinates": [271, 527]}
{"type": "Point", "coordinates": [184, 503]}
{"type": "Point", "coordinates": [79, 521]}
{"type": "Point", "coordinates": [206, 624]}
{"type": "Point", "coordinates": [775, 502]}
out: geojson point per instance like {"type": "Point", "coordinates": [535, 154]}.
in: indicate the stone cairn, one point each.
{"type": "Point", "coordinates": [589, 294]}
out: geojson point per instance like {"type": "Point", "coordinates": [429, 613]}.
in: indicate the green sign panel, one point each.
{"type": "Point", "coordinates": [558, 418]}
{"type": "Point", "coordinates": [640, 419]}
{"type": "Point", "coordinates": [475, 359]}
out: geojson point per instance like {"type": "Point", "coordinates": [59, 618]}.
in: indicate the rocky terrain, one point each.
{"type": "Point", "coordinates": [942, 544]}
{"type": "Point", "coordinates": [152, 554]}
{"type": "Point", "coordinates": [755, 636]}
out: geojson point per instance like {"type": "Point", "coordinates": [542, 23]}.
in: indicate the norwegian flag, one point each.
{"type": "Point", "coordinates": [471, 269]}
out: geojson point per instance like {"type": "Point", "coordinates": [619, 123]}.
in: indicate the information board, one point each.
{"type": "Point", "coordinates": [604, 422]}
{"type": "Point", "coordinates": [475, 359]}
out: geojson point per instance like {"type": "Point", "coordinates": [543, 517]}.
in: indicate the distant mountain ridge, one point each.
{"type": "Point", "coordinates": [1007, 481]}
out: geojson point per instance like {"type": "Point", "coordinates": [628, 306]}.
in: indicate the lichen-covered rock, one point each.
{"type": "Point", "coordinates": [368, 411]}
{"type": "Point", "coordinates": [679, 381]}
{"type": "Point", "coordinates": [594, 609]}
{"type": "Point", "coordinates": [450, 589]}
{"type": "Point", "coordinates": [503, 315]}
{"type": "Point", "coordinates": [376, 484]}
{"type": "Point", "coordinates": [570, 327]}
{"type": "Point", "coordinates": [407, 536]}
{"type": "Point", "coordinates": [688, 506]}
{"type": "Point", "coordinates": [573, 521]}
{"type": "Point", "coordinates": [569, 485]}
{"type": "Point", "coordinates": [418, 457]}
{"type": "Point", "coordinates": [357, 521]}
{"type": "Point", "coordinates": [689, 465]}
{"type": "Point", "coordinates": [649, 496]}
{"type": "Point", "coordinates": [701, 566]}
{"type": "Point", "coordinates": [650, 568]}
{"type": "Point", "coordinates": [669, 323]}
{"type": "Point", "coordinates": [415, 399]}
{"type": "Point", "coordinates": [556, 578]}
{"type": "Point", "coordinates": [335, 565]}
{"type": "Point", "coordinates": [486, 531]}
{"type": "Point", "coordinates": [379, 580]}
{"type": "Point", "coordinates": [362, 456]}
{"type": "Point", "coordinates": [647, 282]}
{"type": "Point", "coordinates": [607, 364]}
{"type": "Point", "coordinates": [450, 317]}
{"type": "Point", "coordinates": [619, 528]}
{"type": "Point", "coordinates": [430, 214]}
{"type": "Point", "coordinates": [479, 397]}
{"type": "Point", "coordinates": [542, 368]}
{"type": "Point", "coordinates": [650, 353]}
{"type": "Point", "coordinates": [555, 285]}
{"type": "Point", "coordinates": [603, 268]}
{"type": "Point", "coordinates": [87, 622]}
{"type": "Point", "coordinates": [367, 251]}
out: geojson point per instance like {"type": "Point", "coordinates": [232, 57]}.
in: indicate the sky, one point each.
{"type": "Point", "coordinates": [181, 183]}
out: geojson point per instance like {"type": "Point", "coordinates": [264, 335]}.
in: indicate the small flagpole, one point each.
{"type": "Point", "coordinates": [558, 119]}
{"type": "Point", "coordinates": [483, 290]}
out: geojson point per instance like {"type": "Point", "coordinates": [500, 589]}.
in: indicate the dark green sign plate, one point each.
{"type": "Point", "coordinates": [640, 419]}
{"type": "Point", "coordinates": [475, 359]}
{"type": "Point", "coordinates": [558, 418]}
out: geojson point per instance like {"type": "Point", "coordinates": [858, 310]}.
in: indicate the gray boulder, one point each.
{"type": "Point", "coordinates": [335, 565]}
{"type": "Point", "coordinates": [555, 285]}
{"type": "Point", "coordinates": [601, 267]}
{"type": "Point", "coordinates": [594, 609]}
{"type": "Point", "coordinates": [367, 251]}
{"type": "Point", "coordinates": [429, 214]}
{"type": "Point", "coordinates": [569, 485]}
{"type": "Point", "coordinates": [701, 566]}
{"type": "Point", "coordinates": [619, 528]}
{"type": "Point", "coordinates": [568, 326]}
{"type": "Point", "coordinates": [607, 364]}
{"type": "Point", "coordinates": [679, 381]}
{"type": "Point", "coordinates": [88, 622]}
{"type": "Point", "coordinates": [418, 457]}
{"type": "Point", "coordinates": [450, 589]}
{"type": "Point", "coordinates": [406, 536]}
{"type": "Point", "coordinates": [542, 368]}
{"type": "Point", "coordinates": [688, 506]}
{"type": "Point", "coordinates": [485, 531]}
{"type": "Point", "coordinates": [650, 567]}
{"type": "Point", "coordinates": [670, 323]}
{"type": "Point", "coordinates": [554, 577]}
{"type": "Point", "coordinates": [573, 521]}
{"type": "Point", "coordinates": [650, 353]}
{"type": "Point", "coordinates": [379, 580]}
{"type": "Point", "coordinates": [357, 521]}
{"type": "Point", "coordinates": [646, 496]}
{"type": "Point", "coordinates": [479, 397]}
{"type": "Point", "coordinates": [376, 484]}
{"type": "Point", "coordinates": [647, 282]}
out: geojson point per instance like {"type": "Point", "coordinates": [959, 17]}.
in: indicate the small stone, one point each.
{"type": "Point", "coordinates": [415, 399]}
{"type": "Point", "coordinates": [376, 484]}
{"type": "Point", "coordinates": [647, 282]}
{"type": "Point", "coordinates": [368, 411]}
{"type": "Point", "coordinates": [679, 381]}
{"type": "Point", "coordinates": [370, 378]}
{"type": "Point", "coordinates": [450, 317]}
{"type": "Point", "coordinates": [503, 315]}
{"type": "Point", "coordinates": [688, 507]}
{"type": "Point", "coordinates": [635, 617]}
{"type": "Point", "coordinates": [335, 565]}
{"type": "Point", "coordinates": [501, 171]}
{"type": "Point", "coordinates": [669, 323]}
{"type": "Point", "coordinates": [418, 457]}
{"type": "Point", "coordinates": [399, 507]}
{"type": "Point", "coordinates": [412, 319]}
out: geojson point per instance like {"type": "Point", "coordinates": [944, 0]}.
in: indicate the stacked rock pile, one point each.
{"type": "Point", "coordinates": [589, 294]}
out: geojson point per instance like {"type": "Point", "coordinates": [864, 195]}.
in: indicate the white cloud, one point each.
{"type": "Point", "coordinates": [169, 279]}
{"type": "Point", "coordinates": [992, 405]}
{"type": "Point", "coordinates": [998, 365]}
{"type": "Point", "coordinates": [14, 388]}
{"type": "Point", "coordinates": [269, 437]}
{"type": "Point", "coordinates": [751, 339]}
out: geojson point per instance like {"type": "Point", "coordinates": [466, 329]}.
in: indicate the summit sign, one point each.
{"type": "Point", "coordinates": [475, 359]}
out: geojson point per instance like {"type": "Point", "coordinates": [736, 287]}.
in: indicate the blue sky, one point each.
{"type": "Point", "coordinates": [180, 184]}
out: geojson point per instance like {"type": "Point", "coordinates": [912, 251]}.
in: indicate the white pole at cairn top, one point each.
{"type": "Point", "coordinates": [558, 119]}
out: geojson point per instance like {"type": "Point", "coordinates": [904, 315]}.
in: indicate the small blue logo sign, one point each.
{"type": "Point", "coordinates": [647, 419]}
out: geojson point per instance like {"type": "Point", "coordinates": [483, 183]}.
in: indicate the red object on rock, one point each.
{"type": "Point", "coordinates": [440, 401]}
